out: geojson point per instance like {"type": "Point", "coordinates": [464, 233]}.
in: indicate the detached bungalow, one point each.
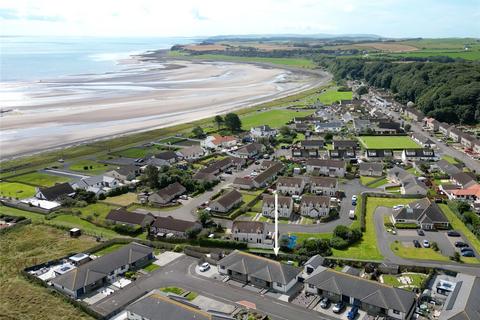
{"type": "Point", "coordinates": [424, 213]}
{"type": "Point", "coordinates": [218, 142]}
{"type": "Point", "coordinates": [371, 169]}
{"type": "Point", "coordinates": [192, 153]}
{"type": "Point", "coordinates": [163, 226]}
{"type": "Point", "coordinates": [463, 179]}
{"type": "Point", "coordinates": [102, 270]}
{"type": "Point", "coordinates": [167, 194]}
{"type": "Point", "coordinates": [125, 173]}
{"type": "Point", "coordinates": [165, 158]}
{"type": "Point", "coordinates": [134, 219]}
{"type": "Point", "coordinates": [226, 202]}
{"type": "Point", "coordinates": [55, 192]}
{"type": "Point", "coordinates": [259, 271]}
{"type": "Point", "coordinates": [250, 150]}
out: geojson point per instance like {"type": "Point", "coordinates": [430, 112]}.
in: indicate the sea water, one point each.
{"type": "Point", "coordinates": [34, 58]}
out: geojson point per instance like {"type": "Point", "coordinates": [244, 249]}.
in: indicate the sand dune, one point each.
{"type": "Point", "coordinates": [146, 95]}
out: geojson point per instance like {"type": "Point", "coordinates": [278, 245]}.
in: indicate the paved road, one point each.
{"type": "Point", "coordinates": [384, 240]}
{"type": "Point", "coordinates": [181, 273]}
{"type": "Point", "coordinates": [471, 163]}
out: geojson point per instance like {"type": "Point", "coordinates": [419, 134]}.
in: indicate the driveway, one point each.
{"type": "Point", "coordinates": [181, 273]}
{"type": "Point", "coordinates": [384, 239]}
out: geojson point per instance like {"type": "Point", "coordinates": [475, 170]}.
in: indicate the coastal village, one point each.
{"type": "Point", "coordinates": [378, 217]}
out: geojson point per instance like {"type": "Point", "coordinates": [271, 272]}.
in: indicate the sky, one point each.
{"type": "Point", "coordinates": [389, 18]}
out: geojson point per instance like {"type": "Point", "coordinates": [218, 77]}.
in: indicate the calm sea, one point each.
{"type": "Point", "coordinates": [35, 58]}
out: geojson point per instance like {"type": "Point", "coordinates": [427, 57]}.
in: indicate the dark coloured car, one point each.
{"type": "Point", "coordinates": [460, 244]}
{"type": "Point", "coordinates": [352, 314]}
{"type": "Point", "coordinates": [417, 244]}
{"type": "Point", "coordinates": [453, 234]}
{"type": "Point", "coordinates": [468, 254]}
{"type": "Point", "coordinates": [420, 232]}
{"type": "Point", "coordinates": [466, 249]}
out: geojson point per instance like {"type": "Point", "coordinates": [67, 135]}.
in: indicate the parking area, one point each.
{"type": "Point", "coordinates": [445, 243]}
{"type": "Point", "coordinates": [206, 303]}
{"type": "Point", "coordinates": [167, 257]}
{"type": "Point", "coordinates": [342, 315]}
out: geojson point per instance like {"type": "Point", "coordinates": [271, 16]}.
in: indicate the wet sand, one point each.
{"type": "Point", "coordinates": [146, 95]}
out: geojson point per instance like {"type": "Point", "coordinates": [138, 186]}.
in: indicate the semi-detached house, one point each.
{"type": "Point", "coordinates": [332, 168]}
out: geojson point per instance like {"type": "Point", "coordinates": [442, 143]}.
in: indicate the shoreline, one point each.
{"type": "Point", "coordinates": [189, 91]}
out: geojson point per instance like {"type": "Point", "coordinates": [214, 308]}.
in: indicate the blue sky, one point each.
{"type": "Point", "coordinates": [390, 18]}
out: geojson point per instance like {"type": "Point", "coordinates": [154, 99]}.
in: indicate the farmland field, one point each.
{"type": "Point", "coordinates": [331, 96]}
{"type": "Point", "coordinates": [25, 246]}
{"type": "Point", "coordinates": [16, 190]}
{"type": "Point", "coordinates": [273, 118]}
{"type": "Point", "coordinates": [388, 142]}
{"type": "Point", "coordinates": [292, 62]}
{"type": "Point", "coordinates": [40, 179]}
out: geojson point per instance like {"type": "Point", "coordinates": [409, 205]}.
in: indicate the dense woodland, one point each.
{"type": "Point", "coordinates": [449, 92]}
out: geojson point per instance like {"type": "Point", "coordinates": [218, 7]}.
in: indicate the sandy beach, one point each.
{"type": "Point", "coordinates": [143, 96]}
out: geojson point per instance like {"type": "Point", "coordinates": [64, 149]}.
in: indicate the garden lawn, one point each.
{"type": "Point", "coordinates": [366, 179]}
{"type": "Point", "coordinates": [378, 183]}
{"type": "Point", "coordinates": [70, 221]}
{"type": "Point", "coordinates": [40, 179]}
{"type": "Point", "coordinates": [415, 278]}
{"type": "Point", "coordinates": [330, 96]}
{"type": "Point", "coordinates": [449, 159]}
{"type": "Point", "coordinates": [25, 246]}
{"type": "Point", "coordinates": [16, 190]}
{"type": "Point", "coordinates": [272, 118]}
{"type": "Point", "coordinates": [97, 210]}
{"type": "Point", "coordinates": [417, 253]}
{"type": "Point", "coordinates": [108, 249]}
{"type": "Point", "coordinates": [388, 142]}
{"type": "Point", "coordinates": [151, 267]}
{"type": "Point", "coordinates": [122, 200]}
{"type": "Point", "coordinates": [457, 224]}
{"type": "Point", "coordinates": [93, 168]}
{"type": "Point", "coordinates": [304, 236]}
{"type": "Point", "coordinates": [366, 249]}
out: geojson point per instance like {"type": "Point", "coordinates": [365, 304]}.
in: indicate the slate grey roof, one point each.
{"type": "Point", "coordinates": [424, 153]}
{"type": "Point", "coordinates": [326, 163]}
{"type": "Point", "coordinates": [315, 200]}
{"type": "Point", "coordinates": [56, 191]}
{"type": "Point", "coordinates": [448, 167]}
{"type": "Point", "coordinates": [374, 166]}
{"type": "Point", "coordinates": [228, 198]}
{"type": "Point", "coordinates": [398, 173]}
{"type": "Point", "coordinates": [259, 267]}
{"type": "Point", "coordinates": [379, 153]}
{"type": "Point", "coordinates": [345, 144]}
{"type": "Point", "coordinates": [282, 201]}
{"type": "Point", "coordinates": [168, 193]}
{"type": "Point", "coordinates": [315, 261]}
{"type": "Point", "coordinates": [251, 148]}
{"type": "Point", "coordinates": [191, 151]}
{"type": "Point", "coordinates": [464, 302]}
{"type": "Point", "coordinates": [412, 185]}
{"type": "Point", "coordinates": [99, 268]}
{"type": "Point", "coordinates": [312, 143]}
{"type": "Point", "coordinates": [325, 182]}
{"type": "Point", "coordinates": [370, 292]}
{"type": "Point", "coordinates": [159, 307]}
{"type": "Point", "coordinates": [423, 211]}
{"type": "Point", "coordinates": [166, 155]}
{"type": "Point", "coordinates": [173, 224]}
{"type": "Point", "coordinates": [290, 181]}
{"type": "Point", "coordinates": [464, 179]}
{"type": "Point", "coordinates": [342, 154]}
{"type": "Point", "coordinates": [124, 216]}
{"type": "Point", "coordinates": [248, 226]}
{"type": "Point", "coordinates": [274, 169]}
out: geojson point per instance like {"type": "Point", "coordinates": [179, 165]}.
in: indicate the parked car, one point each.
{"type": "Point", "coordinates": [354, 198]}
{"type": "Point", "coordinates": [324, 303]}
{"type": "Point", "coordinates": [468, 254]}
{"type": "Point", "coordinates": [466, 249]}
{"type": "Point", "coordinates": [460, 244]}
{"type": "Point", "coordinates": [228, 172]}
{"type": "Point", "coordinates": [420, 232]}
{"type": "Point", "coordinates": [352, 314]}
{"type": "Point", "coordinates": [398, 207]}
{"type": "Point", "coordinates": [338, 307]}
{"type": "Point", "coordinates": [394, 232]}
{"type": "Point", "coordinates": [426, 243]}
{"type": "Point", "coordinates": [204, 267]}
{"type": "Point", "coordinates": [453, 233]}
{"type": "Point", "coordinates": [416, 244]}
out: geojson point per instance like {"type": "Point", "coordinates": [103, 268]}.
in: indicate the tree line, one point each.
{"type": "Point", "coordinates": [449, 92]}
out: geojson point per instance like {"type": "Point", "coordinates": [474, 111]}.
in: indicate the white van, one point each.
{"type": "Point", "coordinates": [351, 214]}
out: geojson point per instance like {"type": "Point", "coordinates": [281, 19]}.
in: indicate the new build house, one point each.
{"type": "Point", "coordinates": [315, 206]}
{"type": "Point", "coordinates": [55, 192]}
{"type": "Point", "coordinates": [102, 270]}
{"type": "Point", "coordinates": [374, 298]}
{"type": "Point", "coordinates": [323, 186]}
{"type": "Point", "coordinates": [258, 271]}
{"type": "Point", "coordinates": [285, 206]}
{"type": "Point", "coordinates": [251, 232]}
{"type": "Point", "coordinates": [290, 185]}
{"type": "Point", "coordinates": [332, 168]}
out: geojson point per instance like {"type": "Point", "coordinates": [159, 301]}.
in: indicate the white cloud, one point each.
{"type": "Point", "coordinates": [213, 17]}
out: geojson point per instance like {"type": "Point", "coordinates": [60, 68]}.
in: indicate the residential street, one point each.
{"type": "Point", "coordinates": [384, 240]}
{"type": "Point", "coordinates": [180, 273]}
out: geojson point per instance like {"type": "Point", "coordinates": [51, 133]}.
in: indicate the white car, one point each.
{"type": "Point", "coordinates": [426, 244]}
{"type": "Point", "coordinates": [397, 207]}
{"type": "Point", "coordinates": [204, 267]}
{"type": "Point", "coordinates": [354, 198]}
